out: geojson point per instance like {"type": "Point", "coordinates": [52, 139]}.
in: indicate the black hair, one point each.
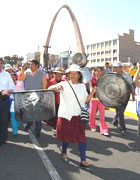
{"type": "Point", "coordinates": [35, 62]}
{"type": "Point", "coordinates": [80, 80]}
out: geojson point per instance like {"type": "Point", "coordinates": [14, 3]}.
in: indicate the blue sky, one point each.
{"type": "Point", "coordinates": [25, 23]}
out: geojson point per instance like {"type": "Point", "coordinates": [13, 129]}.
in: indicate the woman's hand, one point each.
{"type": "Point", "coordinates": [58, 88]}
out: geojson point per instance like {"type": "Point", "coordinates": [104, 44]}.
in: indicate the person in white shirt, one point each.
{"type": "Point", "coordinates": [6, 86]}
{"type": "Point", "coordinates": [70, 128]}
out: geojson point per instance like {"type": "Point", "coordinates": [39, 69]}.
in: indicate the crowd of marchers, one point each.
{"type": "Point", "coordinates": [67, 85]}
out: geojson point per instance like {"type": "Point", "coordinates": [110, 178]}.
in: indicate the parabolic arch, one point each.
{"type": "Point", "coordinates": [80, 45]}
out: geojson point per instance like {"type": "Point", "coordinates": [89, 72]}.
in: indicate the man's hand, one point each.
{"type": "Point", "coordinates": [5, 92]}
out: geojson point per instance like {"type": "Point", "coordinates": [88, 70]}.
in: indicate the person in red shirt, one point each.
{"type": "Point", "coordinates": [49, 77]}
{"type": "Point", "coordinates": [57, 73]}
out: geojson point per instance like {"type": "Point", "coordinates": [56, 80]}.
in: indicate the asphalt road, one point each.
{"type": "Point", "coordinates": [110, 158]}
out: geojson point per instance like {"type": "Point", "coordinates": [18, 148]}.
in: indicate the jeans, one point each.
{"type": "Point", "coordinates": [82, 149]}
{"type": "Point", "coordinates": [119, 117]}
{"type": "Point", "coordinates": [38, 126]}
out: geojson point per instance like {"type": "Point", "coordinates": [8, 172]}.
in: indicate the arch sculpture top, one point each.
{"type": "Point", "coordinates": [80, 45]}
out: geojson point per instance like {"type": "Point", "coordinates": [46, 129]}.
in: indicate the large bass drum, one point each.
{"type": "Point", "coordinates": [34, 105]}
{"type": "Point", "coordinates": [113, 90]}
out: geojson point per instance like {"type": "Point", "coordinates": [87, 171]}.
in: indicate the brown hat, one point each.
{"type": "Point", "coordinates": [58, 70]}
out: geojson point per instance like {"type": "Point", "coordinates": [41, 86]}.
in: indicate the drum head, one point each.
{"type": "Point", "coordinates": [113, 90]}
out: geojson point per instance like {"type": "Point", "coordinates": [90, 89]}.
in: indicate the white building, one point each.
{"type": "Point", "coordinates": [123, 48]}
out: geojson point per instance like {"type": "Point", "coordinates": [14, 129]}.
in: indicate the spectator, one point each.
{"type": "Point", "coordinates": [107, 68]}
{"type": "Point", "coordinates": [133, 70]}
{"type": "Point", "coordinates": [58, 73]}
{"type": "Point", "coordinates": [6, 85]}
{"type": "Point", "coordinates": [14, 122]}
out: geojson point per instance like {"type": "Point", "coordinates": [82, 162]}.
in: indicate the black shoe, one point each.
{"type": "Point", "coordinates": [115, 124]}
{"type": "Point", "coordinates": [123, 133]}
{"type": "Point", "coordinates": [2, 143]}
{"type": "Point", "coordinates": [26, 128]}
{"type": "Point", "coordinates": [37, 135]}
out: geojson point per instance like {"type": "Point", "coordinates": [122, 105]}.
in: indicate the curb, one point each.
{"type": "Point", "coordinates": [134, 115]}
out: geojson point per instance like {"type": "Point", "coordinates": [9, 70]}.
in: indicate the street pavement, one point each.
{"type": "Point", "coordinates": [111, 158]}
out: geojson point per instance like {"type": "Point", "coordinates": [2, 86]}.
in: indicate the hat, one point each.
{"type": "Point", "coordinates": [67, 70]}
{"type": "Point", "coordinates": [58, 70]}
{"type": "Point", "coordinates": [8, 66]}
{"type": "Point", "coordinates": [117, 64]}
{"type": "Point", "coordinates": [74, 67]}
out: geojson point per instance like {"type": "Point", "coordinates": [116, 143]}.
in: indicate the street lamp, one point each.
{"type": "Point", "coordinates": [46, 56]}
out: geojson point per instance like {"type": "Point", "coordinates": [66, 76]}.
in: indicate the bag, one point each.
{"type": "Point", "coordinates": [84, 112]}
{"type": "Point", "coordinates": [84, 116]}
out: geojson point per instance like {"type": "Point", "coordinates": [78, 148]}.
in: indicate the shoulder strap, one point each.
{"type": "Point", "coordinates": [75, 95]}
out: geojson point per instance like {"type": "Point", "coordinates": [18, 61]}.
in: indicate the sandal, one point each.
{"type": "Point", "coordinates": [64, 158]}
{"type": "Point", "coordinates": [84, 165]}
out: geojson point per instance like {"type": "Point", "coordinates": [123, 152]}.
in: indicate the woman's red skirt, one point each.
{"type": "Point", "coordinates": [70, 131]}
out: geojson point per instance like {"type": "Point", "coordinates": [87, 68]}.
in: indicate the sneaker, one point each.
{"type": "Point", "coordinates": [94, 130]}
{"type": "Point", "coordinates": [106, 134]}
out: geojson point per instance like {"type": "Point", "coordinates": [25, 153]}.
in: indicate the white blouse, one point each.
{"type": "Point", "coordinates": [68, 103]}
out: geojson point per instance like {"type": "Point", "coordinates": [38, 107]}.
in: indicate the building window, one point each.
{"type": "Point", "coordinates": [98, 45]}
{"type": "Point", "coordinates": [93, 46]}
{"type": "Point", "coordinates": [98, 60]}
{"type": "Point", "coordinates": [98, 53]}
{"type": "Point", "coordinates": [106, 44]}
{"type": "Point", "coordinates": [109, 43]}
{"type": "Point", "coordinates": [102, 60]}
{"type": "Point", "coordinates": [106, 52]}
{"type": "Point", "coordinates": [88, 47]}
{"type": "Point", "coordinates": [106, 59]}
{"type": "Point", "coordinates": [114, 42]}
{"type": "Point", "coordinates": [114, 51]}
{"type": "Point", "coordinates": [114, 58]}
{"type": "Point", "coordinates": [102, 45]}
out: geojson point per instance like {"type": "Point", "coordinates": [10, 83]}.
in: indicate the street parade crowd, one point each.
{"type": "Point", "coordinates": [70, 91]}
